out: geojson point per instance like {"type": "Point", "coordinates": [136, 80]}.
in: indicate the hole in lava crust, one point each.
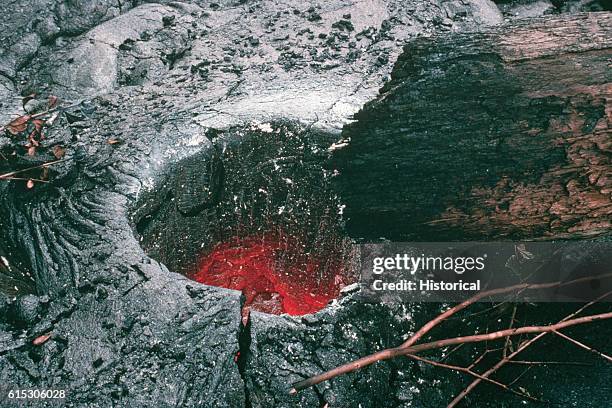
{"type": "Point", "coordinates": [253, 212]}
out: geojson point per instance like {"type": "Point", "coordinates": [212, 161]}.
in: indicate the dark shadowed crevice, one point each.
{"type": "Point", "coordinates": [244, 345]}
{"type": "Point", "coordinates": [322, 402]}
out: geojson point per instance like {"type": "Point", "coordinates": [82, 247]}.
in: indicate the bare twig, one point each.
{"type": "Point", "coordinates": [508, 341]}
{"type": "Point", "coordinates": [452, 351]}
{"type": "Point", "coordinates": [582, 345]}
{"type": "Point", "coordinates": [484, 311]}
{"type": "Point", "coordinates": [515, 288]}
{"type": "Point", "coordinates": [472, 373]}
{"type": "Point", "coordinates": [48, 111]}
{"type": "Point", "coordinates": [522, 347]}
{"type": "Point", "coordinates": [519, 376]}
{"type": "Point", "coordinates": [482, 356]}
{"type": "Point", "coordinates": [40, 166]}
{"type": "Point", "coordinates": [25, 179]}
{"type": "Point", "coordinates": [403, 350]}
{"type": "Point", "coordinates": [578, 363]}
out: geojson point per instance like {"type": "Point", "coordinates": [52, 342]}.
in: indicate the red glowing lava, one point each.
{"type": "Point", "coordinates": [275, 274]}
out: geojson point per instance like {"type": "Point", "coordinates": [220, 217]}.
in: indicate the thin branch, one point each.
{"type": "Point", "coordinates": [476, 338]}
{"type": "Point", "coordinates": [508, 342]}
{"type": "Point", "coordinates": [40, 166]}
{"type": "Point", "coordinates": [482, 356]}
{"type": "Point", "coordinates": [584, 346]}
{"type": "Point", "coordinates": [522, 347]}
{"type": "Point", "coordinates": [515, 288]}
{"type": "Point", "coordinates": [25, 179]}
{"type": "Point", "coordinates": [453, 350]}
{"type": "Point", "coordinates": [520, 376]}
{"type": "Point", "coordinates": [48, 111]}
{"type": "Point", "coordinates": [478, 359]}
{"type": "Point", "coordinates": [577, 363]}
{"type": "Point", "coordinates": [474, 374]}
{"type": "Point", "coordinates": [481, 312]}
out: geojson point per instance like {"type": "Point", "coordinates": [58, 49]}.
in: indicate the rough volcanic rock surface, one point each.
{"type": "Point", "coordinates": [302, 61]}
{"type": "Point", "coordinates": [286, 350]}
{"type": "Point", "coordinates": [520, 9]}
{"type": "Point", "coordinates": [150, 84]}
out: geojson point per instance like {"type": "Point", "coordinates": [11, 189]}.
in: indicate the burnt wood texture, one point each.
{"type": "Point", "coordinates": [501, 134]}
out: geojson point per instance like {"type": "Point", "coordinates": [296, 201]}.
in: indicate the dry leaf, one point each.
{"type": "Point", "coordinates": [18, 125]}
{"type": "Point", "coordinates": [30, 185]}
{"type": "Point", "coordinates": [38, 124]}
{"type": "Point", "coordinates": [41, 339]}
{"type": "Point", "coordinates": [33, 142]}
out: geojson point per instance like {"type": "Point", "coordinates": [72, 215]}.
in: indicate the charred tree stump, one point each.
{"type": "Point", "coordinates": [503, 134]}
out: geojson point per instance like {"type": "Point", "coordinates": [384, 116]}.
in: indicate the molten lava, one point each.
{"type": "Point", "coordinates": [275, 273]}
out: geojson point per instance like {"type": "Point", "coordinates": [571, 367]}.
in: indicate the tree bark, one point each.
{"type": "Point", "coordinates": [503, 134]}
